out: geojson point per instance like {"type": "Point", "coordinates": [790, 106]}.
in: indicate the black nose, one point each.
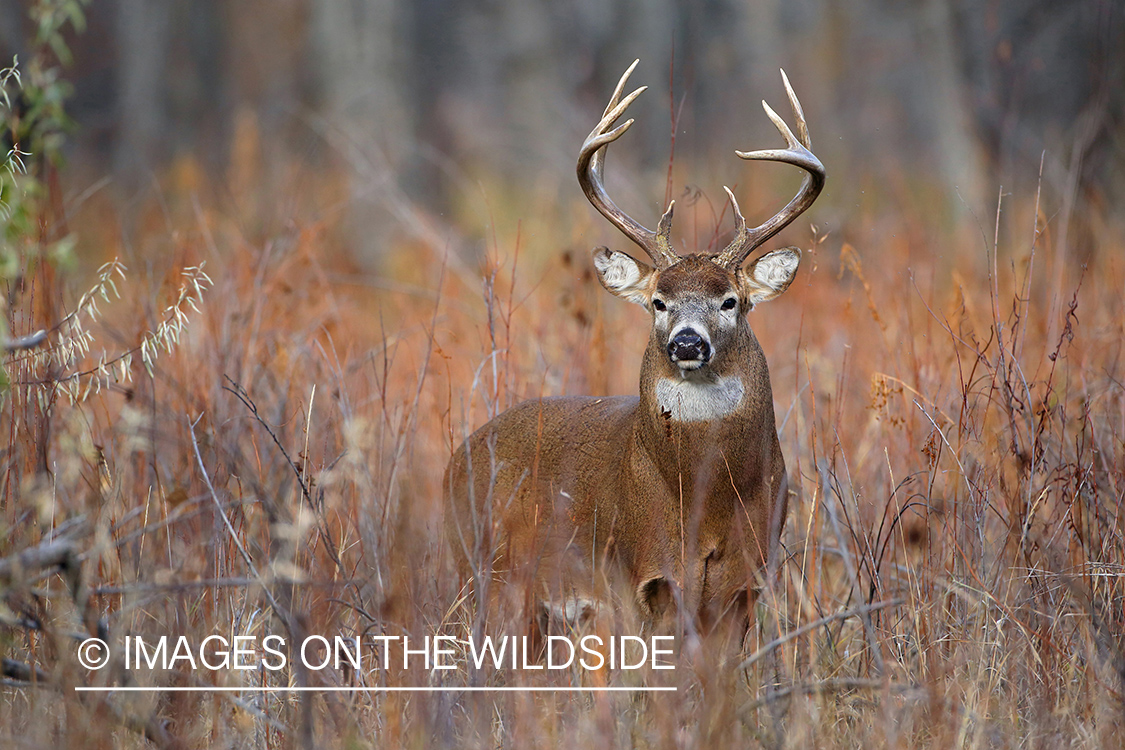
{"type": "Point", "coordinates": [688, 345]}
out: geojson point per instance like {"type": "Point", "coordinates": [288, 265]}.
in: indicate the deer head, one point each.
{"type": "Point", "coordinates": [697, 302]}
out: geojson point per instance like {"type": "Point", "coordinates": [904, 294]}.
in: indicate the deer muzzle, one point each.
{"type": "Point", "coordinates": [689, 349]}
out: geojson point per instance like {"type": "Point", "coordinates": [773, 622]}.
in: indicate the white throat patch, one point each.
{"type": "Point", "coordinates": [698, 402]}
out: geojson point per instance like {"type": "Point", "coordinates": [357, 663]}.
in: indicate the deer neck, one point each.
{"type": "Point", "coordinates": [690, 417]}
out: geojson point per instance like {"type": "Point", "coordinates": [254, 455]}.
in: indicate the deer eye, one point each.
{"type": "Point", "coordinates": [729, 303]}
{"type": "Point", "coordinates": [659, 305]}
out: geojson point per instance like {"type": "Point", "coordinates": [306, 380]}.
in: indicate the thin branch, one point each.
{"type": "Point", "coordinates": [277, 608]}
{"type": "Point", "coordinates": [863, 609]}
{"type": "Point", "coordinates": [835, 685]}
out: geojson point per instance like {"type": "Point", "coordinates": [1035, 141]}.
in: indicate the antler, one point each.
{"type": "Point", "coordinates": [591, 163]}
{"type": "Point", "coordinates": [799, 154]}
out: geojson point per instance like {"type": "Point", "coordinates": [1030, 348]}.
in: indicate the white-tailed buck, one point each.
{"type": "Point", "coordinates": [681, 492]}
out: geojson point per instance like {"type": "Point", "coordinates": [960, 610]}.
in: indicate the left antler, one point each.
{"type": "Point", "coordinates": [799, 154]}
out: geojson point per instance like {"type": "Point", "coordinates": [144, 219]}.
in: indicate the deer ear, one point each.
{"type": "Point", "coordinates": [624, 275]}
{"type": "Point", "coordinates": [769, 275]}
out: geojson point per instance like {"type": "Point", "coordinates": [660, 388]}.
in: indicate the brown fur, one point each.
{"type": "Point", "coordinates": [580, 487]}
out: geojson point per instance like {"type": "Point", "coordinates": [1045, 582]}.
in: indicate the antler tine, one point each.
{"type": "Point", "coordinates": [741, 234]}
{"type": "Point", "coordinates": [621, 87]}
{"type": "Point", "coordinates": [799, 154]}
{"type": "Point", "coordinates": [798, 112]}
{"type": "Point", "coordinates": [591, 164]}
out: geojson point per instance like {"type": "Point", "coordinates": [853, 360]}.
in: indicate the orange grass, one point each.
{"type": "Point", "coordinates": [950, 407]}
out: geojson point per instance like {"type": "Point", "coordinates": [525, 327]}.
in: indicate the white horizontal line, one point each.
{"type": "Point", "coordinates": [403, 689]}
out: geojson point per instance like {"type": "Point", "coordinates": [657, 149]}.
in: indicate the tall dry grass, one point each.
{"type": "Point", "coordinates": [950, 405]}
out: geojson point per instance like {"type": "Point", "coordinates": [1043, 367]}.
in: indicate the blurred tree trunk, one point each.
{"type": "Point", "coordinates": [514, 115]}
{"type": "Point", "coordinates": [142, 51]}
{"type": "Point", "coordinates": [13, 22]}
{"type": "Point", "coordinates": [650, 30]}
{"type": "Point", "coordinates": [946, 107]}
{"type": "Point", "coordinates": [361, 60]}
{"type": "Point", "coordinates": [761, 42]}
{"type": "Point", "coordinates": [361, 51]}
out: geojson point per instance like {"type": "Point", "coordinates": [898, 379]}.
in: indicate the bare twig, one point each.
{"type": "Point", "coordinates": [835, 685]}
{"type": "Point", "coordinates": [277, 608]}
{"type": "Point", "coordinates": [865, 616]}
{"type": "Point", "coordinates": [61, 554]}
{"type": "Point", "coordinates": [864, 609]}
{"type": "Point", "coordinates": [25, 342]}
{"type": "Point", "coordinates": [241, 394]}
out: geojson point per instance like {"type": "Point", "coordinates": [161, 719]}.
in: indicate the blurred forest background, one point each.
{"type": "Point", "coordinates": [935, 101]}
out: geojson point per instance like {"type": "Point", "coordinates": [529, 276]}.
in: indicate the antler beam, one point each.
{"type": "Point", "coordinates": [799, 154]}
{"type": "Point", "coordinates": [591, 164]}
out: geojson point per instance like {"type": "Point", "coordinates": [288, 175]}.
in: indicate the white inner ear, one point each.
{"type": "Point", "coordinates": [771, 274]}
{"type": "Point", "coordinates": [622, 275]}
{"type": "Point", "coordinates": [776, 269]}
{"type": "Point", "coordinates": [617, 270]}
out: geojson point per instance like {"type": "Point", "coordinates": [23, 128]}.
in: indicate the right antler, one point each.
{"type": "Point", "coordinates": [799, 154]}
{"type": "Point", "coordinates": [591, 162]}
